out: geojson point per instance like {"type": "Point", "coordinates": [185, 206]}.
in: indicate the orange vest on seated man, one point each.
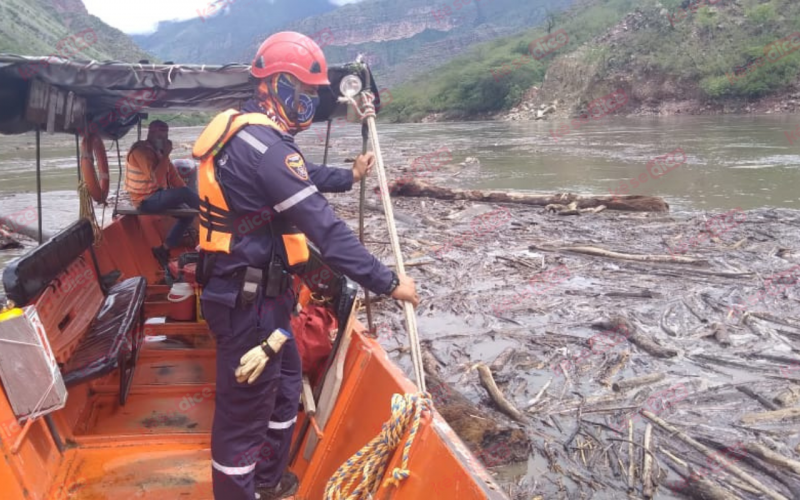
{"type": "Point", "coordinates": [218, 224]}
{"type": "Point", "coordinates": [145, 174]}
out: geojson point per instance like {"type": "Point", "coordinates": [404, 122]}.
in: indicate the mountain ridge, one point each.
{"type": "Point", "coordinates": [400, 37]}
{"type": "Point", "coordinates": [44, 27]}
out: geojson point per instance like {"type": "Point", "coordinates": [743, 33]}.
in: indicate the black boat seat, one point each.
{"type": "Point", "coordinates": [92, 329]}
{"type": "Point", "coordinates": [108, 345]}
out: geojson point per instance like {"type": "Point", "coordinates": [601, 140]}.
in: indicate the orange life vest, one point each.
{"type": "Point", "coordinates": [217, 221]}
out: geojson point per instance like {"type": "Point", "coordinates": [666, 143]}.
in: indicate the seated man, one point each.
{"type": "Point", "coordinates": [154, 184]}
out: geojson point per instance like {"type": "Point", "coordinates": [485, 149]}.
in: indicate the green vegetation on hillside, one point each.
{"type": "Point", "coordinates": [35, 28]}
{"type": "Point", "coordinates": [708, 46]}
{"type": "Point", "coordinates": [702, 48]}
{"type": "Point", "coordinates": [467, 85]}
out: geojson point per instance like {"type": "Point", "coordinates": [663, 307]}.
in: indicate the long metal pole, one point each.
{"type": "Point", "coordinates": [39, 179]}
{"type": "Point", "coordinates": [363, 194]}
{"type": "Point", "coordinates": [361, 205]}
{"type": "Point", "coordinates": [408, 309]}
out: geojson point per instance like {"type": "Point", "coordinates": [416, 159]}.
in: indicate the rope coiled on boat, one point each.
{"type": "Point", "coordinates": [365, 469]}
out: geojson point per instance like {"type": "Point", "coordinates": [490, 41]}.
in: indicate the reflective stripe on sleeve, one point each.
{"type": "Point", "coordinates": [252, 141]}
{"type": "Point", "coordinates": [295, 198]}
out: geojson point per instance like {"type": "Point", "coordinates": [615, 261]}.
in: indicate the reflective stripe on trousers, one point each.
{"type": "Point", "coordinates": [239, 444]}
{"type": "Point", "coordinates": [281, 424]}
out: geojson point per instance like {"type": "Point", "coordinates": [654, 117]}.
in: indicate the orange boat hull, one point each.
{"type": "Point", "coordinates": [158, 445]}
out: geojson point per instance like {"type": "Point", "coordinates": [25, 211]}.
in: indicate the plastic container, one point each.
{"type": "Point", "coordinates": [187, 170]}
{"type": "Point", "coordinates": [183, 300]}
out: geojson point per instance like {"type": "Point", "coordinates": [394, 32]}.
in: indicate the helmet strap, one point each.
{"type": "Point", "coordinates": [294, 112]}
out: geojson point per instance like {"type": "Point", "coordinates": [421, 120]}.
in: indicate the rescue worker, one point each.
{"type": "Point", "coordinates": [249, 161]}
{"type": "Point", "coordinates": [154, 184]}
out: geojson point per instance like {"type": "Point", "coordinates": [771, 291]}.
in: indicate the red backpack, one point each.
{"type": "Point", "coordinates": [313, 330]}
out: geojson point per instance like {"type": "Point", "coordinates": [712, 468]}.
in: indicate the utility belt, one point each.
{"type": "Point", "coordinates": [274, 278]}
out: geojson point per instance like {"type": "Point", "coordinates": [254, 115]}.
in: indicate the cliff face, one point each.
{"type": "Point", "coordinates": [226, 31]}
{"type": "Point", "coordinates": [404, 38]}
{"type": "Point", "coordinates": [400, 38]}
{"type": "Point", "coordinates": [41, 27]}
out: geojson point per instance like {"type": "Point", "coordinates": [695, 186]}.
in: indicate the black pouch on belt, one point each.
{"type": "Point", "coordinates": [205, 266]}
{"type": "Point", "coordinates": [252, 279]}
{"type": "Point", "coordinates": [275, 279]}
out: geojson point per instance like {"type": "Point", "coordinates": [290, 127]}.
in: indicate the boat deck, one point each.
{"type": "Point", "coordinates": [158, 445]}
{"type": "Point", "coordinates": [163, 472]}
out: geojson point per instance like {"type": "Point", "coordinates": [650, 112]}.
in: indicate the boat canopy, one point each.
{"type": "Point", "coordinates": [70, 95]}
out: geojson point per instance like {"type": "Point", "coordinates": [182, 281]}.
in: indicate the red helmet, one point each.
{"type": "Point", "coordinates": [293, 53]}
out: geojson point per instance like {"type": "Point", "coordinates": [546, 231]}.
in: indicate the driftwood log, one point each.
{"type": "Point", "coordinates": [696, 485]}
{"type": "Point", "coordinates": [711, 454]}
{"type": "Point", "coordinates": [647, 465]}
{"type": "Point", "coordinates": [7, 241]}
{"type": "Point", "coordinates": [398, 215]}
{"type": "Point", "coordinates": [602, 252]}
{"type": "Point", "coordinates": [766, 403]}
{"type": "Point", "coordinates": [788, 397]}
{"type": "Point", "coordinates": [772, 458]}
{"type": "Point", "coordinates": [628, 203]}
{"type": "Point", "coordinates": [622, 326]}
{"type": "Point", "coordinates": [631, 459]}
{"type": "Point", "coordinates": [630, 383]}
{"type": "Point", "coordinates": [770, 416]}
{"type": "Point", "coordinates": [487, 380]}
{"type": "Point", "coordinates": [483, 433]}
{"type": "Point", "coordinates": [24, 229]}
{"type": "Point", "coordinates": [611, 370]}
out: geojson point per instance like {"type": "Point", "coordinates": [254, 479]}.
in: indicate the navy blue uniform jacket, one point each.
{"type": "Point", "coordinates": [262, 170]}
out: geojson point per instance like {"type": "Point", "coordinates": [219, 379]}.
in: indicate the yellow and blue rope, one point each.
{"type": "Point", "coordinates": [369, 463]}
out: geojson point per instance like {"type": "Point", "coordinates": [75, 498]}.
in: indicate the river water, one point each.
{"type": "Point", "coordinates": [731, 161]}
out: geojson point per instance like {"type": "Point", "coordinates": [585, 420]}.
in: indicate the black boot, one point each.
{"type": "Point", "coordinates": [162, 255]}
{"type": "Point", "coordinates": [285, 488]}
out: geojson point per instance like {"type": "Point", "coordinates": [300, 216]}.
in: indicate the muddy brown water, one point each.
{"type": "Point", "coordinates": [744, 162]}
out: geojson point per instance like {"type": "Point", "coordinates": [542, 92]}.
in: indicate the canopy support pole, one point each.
{"type": "Point", "coordinates": [39, 179]}
{"type": "Point", "coordinates": [139, 128]}
{"type": "Point", "coordinates": [119, 179]}
{"type": "Point", "coordinates": [51, 426]}
{"type": "Point", "coordinates": [327, 143]}
{"type": "Point", "coordinates": [78, 155]}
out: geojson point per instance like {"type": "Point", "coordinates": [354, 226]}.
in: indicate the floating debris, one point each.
{"type": "Point", "coordinates": [713, 311]}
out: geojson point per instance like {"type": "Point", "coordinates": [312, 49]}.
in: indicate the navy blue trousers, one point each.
{"type": "Point", "coordinates": [253, 424]}
{"type": "Point", "coordinates": [164, 199]}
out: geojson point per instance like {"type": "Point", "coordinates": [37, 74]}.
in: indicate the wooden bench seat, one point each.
{"type": "Point", "coordinates": [125, 206]}
{"type": "Point", "coordinates": [173, 212]}
{"type": "Point", "coordinates": [92, 330]}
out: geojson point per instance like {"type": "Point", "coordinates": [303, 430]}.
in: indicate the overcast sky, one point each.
{"type": "Point", "coordinates": [141, 16]}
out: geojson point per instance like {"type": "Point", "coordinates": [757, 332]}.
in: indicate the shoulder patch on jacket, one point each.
{"type": "Point", "coordinates": [295, 163]}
